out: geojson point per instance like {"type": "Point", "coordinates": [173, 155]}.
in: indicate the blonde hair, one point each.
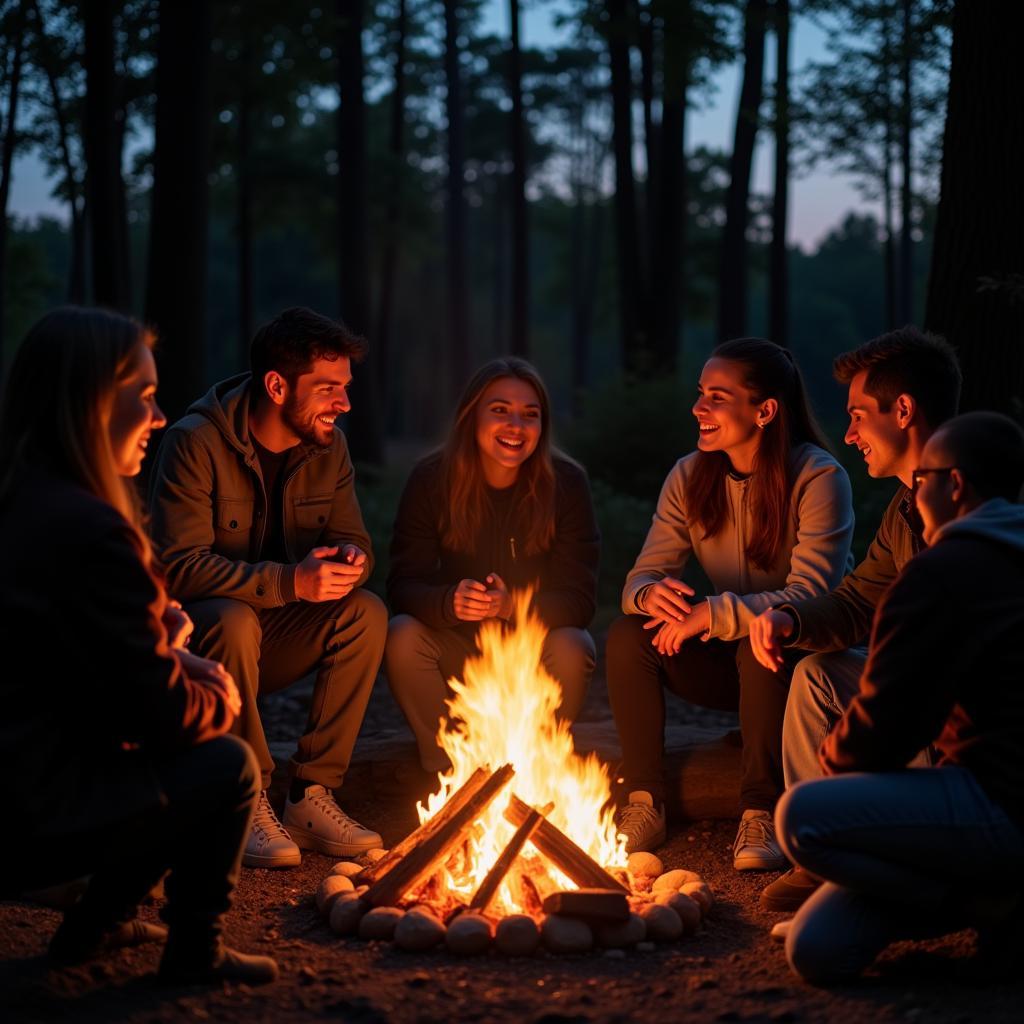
{"type": "Point", "coordinates": [58, 401]}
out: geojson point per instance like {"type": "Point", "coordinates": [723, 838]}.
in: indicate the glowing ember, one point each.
{"type": "Point", "coordinates": [503, 711]}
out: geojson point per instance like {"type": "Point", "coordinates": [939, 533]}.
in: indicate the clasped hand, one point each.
{"type": "Point", "coordinates": [674, 619]}
{"type": "Point", "coordinates": [319, 578]}
{"type": "Point", "coordinates": [212, 674]}
{"type": "Point", "coordinates": [474, 601]}
{"type": "Point", "coordinates": [766, 632]}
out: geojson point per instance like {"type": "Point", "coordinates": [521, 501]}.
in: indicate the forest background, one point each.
{"type": "Point", "coordinates": [456, 195]}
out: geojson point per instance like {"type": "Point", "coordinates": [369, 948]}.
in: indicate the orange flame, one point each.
{"type": "Point", "coordinates": [503, 711]}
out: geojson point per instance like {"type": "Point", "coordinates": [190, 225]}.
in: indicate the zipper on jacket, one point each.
{"type": "Point", "coordinates": [512, 547]}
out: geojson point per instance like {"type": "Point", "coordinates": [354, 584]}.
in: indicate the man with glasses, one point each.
{"type": "Point", "coordinates": [908, 854]}
{"type": "Point", "coordinates": [902, 386]}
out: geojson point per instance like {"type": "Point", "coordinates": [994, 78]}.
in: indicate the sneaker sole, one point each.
{"type": "Point", "coordinates": [311, 841]}
{"type": "Point", "coordinates": [282, 860]}
{"type": "Point", "coordinates": [760, 864]}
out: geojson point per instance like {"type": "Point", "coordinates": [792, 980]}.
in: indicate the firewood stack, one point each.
{"type": "Point", "coordinates": [605, 909]}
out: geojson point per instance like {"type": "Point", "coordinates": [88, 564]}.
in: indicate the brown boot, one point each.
{"type": "Point", "coordinates": [226, 965]}
{"type": "Point", "coordinates": [790, 891]}
{"type": "Point", "coordinates": [72, 945]}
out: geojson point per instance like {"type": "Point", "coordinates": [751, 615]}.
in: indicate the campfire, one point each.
{"type": "Point", "coordinates": [518, 845]}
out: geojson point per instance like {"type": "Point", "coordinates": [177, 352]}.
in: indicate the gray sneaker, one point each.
{"type": "Point", "coordinates": [641, 822]}
{"type": "Point", "coordinates": [269, 845]}
{"type": "Point", "coordinates": [317, 823]}
{"type": "Point", "coordinates": [756, 848]}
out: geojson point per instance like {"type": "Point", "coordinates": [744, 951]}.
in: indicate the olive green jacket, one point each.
{"type": "Point", "coordinates": [209, 506]}
{"type": "Point", "coordinates": [842, 618]}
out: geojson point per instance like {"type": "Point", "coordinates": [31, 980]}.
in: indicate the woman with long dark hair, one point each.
{"type": "Point", "coordinates": [766, 511]}
{"type": "Point", "coordinates": [496, 508]}
{"type": "Point", "coordinates": [123, 771]}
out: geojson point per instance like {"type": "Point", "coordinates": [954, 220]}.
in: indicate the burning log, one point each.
{"type": "Point", "coordinates": [500, 868]}
{"type": "Point", "coordinates": [456, 802]}
{"type": "Point", "coordinates": [430, 849]}
{"type": "Point", "coordinates": [562, 851]}
{"type": "Point", "coordinates": [596, 906]}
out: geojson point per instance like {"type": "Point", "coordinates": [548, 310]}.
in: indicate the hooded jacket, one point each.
{"type": "Point", "coordinates": [946, 663]}
{"type": "Point", "coordinates": [812, 559]}
{"type": "Point", "coordinates": [209, 505]}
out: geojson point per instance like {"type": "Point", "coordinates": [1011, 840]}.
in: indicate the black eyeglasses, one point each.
{"type": "Point", "coordinates": [917, 477]}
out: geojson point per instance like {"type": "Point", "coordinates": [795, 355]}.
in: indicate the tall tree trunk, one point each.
{"type": "Point", "coordinates": [102, 157]}
{"type": "Point", "coordinates": [500, 284]}
{"type": "Point", "coordinates": [176, 285]}
{"type": "Point", "coordinates": [906, 275]}
{"type": "Point", "coordinates": [668, 228]}
{"type": "Point", "coordinates": [976, 288]}
{"type": "Point", "coordinates": [644, 19]}
{"type": "Point", "coordinates": [456, 213]}
{"type": "Point", "coordinates": [778, 289]}
{"type": "Point", "coordinates": [634, 339]}
{"type": "Point", "coordinates": [732, 278]}
{"type": "Point", "coordinates": [520, 233]}
{"type": "Point", "coordinates": [393, 215]}
{"type": "Point", "coordinates": [243, 198]}
{"type": "Point", "coordinates": [889, 242]}
{"type": "Point", "coordinates": [10, 141]}
{"type": "Point", "coordinates": [362, 428]}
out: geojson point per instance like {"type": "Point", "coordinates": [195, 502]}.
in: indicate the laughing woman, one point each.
{"type": "Point", "coordinates": [766, 511]}
{"type": "Point", "coordinates": [497, 508]}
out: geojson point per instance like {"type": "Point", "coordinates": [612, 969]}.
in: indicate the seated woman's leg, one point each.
{"type": "Point", "coordinates": [912, 851]}
{"type": "Point", "coordinates": [418, 661]}
{"type": "Point", "coordinates": [569, 656]}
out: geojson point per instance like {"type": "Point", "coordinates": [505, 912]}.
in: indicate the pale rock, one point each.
{"type": "Point", "coordinates": [643, 863]}
{"type": "Point", "coordinates": [374, 855]}
{"type": "Point", "coordinates": [380, 923]}
{"type": "Point", "coordinates": [700, 893]}
{"type": "Point", "coordinates": [468, 935]}
{"type": "Point", "coordinates": [346, 913]}
{"type": "Point", "coordinates": [347, 868]}
{"type": "Point", "coordinates": [663, 923]}
{"type": "Point", "coordinates": [330, 889]}
{"type": "Point", "coordinates": [688, 909]}
{"type": "Point", "coordinates": [517, 935]}
{"type": "Point", "coordinates": [624, 933]}
{"type": "Point", "coordinates": [674, 880]}
{"type": "Point", "coordinates": [566, 934]}
{"type": "Point", "coordinates": [418, 931]}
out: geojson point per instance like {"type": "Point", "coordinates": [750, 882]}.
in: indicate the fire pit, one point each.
{"type": "Point", "coordinates": [519, 855]}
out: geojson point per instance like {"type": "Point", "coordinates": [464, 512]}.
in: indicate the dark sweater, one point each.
{"type": "Point", "coordinates": [424, 573]}
{"type": "Point", "coordinates": [946, 663]}
{"type": "Point", "coordinates": [91, 693]}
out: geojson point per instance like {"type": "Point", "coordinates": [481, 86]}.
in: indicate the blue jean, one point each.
{"type": "Point", "coordinates": [904, 855]}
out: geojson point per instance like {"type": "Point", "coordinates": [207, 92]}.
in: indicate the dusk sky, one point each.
{"type": "Point", "coordinates": [817, 203]}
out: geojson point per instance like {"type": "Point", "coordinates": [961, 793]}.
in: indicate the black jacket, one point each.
{"type": "Point", "coordinates": [424, 573]}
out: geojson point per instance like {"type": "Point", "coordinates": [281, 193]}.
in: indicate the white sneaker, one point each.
{"type": "Point", "coordinates": [756, 848]}
{"type": "Point", "coordinates": [317, 823]}
{"type": "Point", "coordinates": [641, 822]}
{"type": "Point", "coordinates": [268, 845]}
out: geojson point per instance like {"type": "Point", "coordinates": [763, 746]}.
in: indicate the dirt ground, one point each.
{"type": "Point", "coordinates": [729, 971]}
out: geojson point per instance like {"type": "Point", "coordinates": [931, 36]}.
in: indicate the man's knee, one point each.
{"type": "Point", "coordinates": [569, 656]}
{"type": "Point", "coordinates": [225, 622]}
{"type": "Point", "coordinates": [366, 610]}
{"type": "Point", "coordinates": [797, 808]}
{"type": "Point", "coordinates": [224, 768]}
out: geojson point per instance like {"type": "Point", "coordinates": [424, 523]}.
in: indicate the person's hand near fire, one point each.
{"type": "Point", "coordinates": [474, 601]}
{"type": "Point", "coordinates": [674, 618]}
{"type": "Point", "coordinates": [178, 625]}
{"type": "Point", "coordinates": [319, 577]}
{"type": "Point", "coordinates": [766, 633]}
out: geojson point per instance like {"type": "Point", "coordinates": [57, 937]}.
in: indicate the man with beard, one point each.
{"type": "Point", "coordinates": [255, 516]}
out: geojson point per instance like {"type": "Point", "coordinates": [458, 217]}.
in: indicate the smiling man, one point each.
{"type": "Point", "coordinates": [902, 386]}
{"type": "Point", "coordinates": [256, 519]}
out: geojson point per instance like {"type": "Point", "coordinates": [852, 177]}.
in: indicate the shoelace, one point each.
{"type": "Point", "coordinates": [637, 817]}
{"type": "Point", "coordinates": [265, 820]}
{"type": "Point", "coordinates": [756, 832]}
{"type": "Point", "coordinates": [329, 806]}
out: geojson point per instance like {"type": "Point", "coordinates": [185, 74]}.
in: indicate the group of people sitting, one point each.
{"type": "Point", "coordinates": [880, 706]}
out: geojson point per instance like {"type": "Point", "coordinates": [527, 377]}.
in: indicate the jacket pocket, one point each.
{"type": "Point", "coordinates": [311, 512]}
{"type": "Point", "coordinates": [234, 519]}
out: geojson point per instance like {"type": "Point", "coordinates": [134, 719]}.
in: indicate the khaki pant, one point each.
{"type": "Point", "coordinates": [419, 660]}
{"type": "Point", "coordinates": [341, 641]}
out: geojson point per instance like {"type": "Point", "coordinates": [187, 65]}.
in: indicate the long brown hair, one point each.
{"type": "Point", "coordinates": [58, 401]}
{"type": "Point", "coordinates": [466, 505]}
{"type": "Point", "coordinates": [769, 371]}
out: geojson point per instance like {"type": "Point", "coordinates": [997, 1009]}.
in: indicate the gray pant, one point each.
{"type": "Point", "coordinates": [341, 641]}
{"type": "Point", "coordinates": [821, 689]}
{"type": "Point", "coordinates": [904, 855]}
{"type": "Point", "coordinates": [419, 660]}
